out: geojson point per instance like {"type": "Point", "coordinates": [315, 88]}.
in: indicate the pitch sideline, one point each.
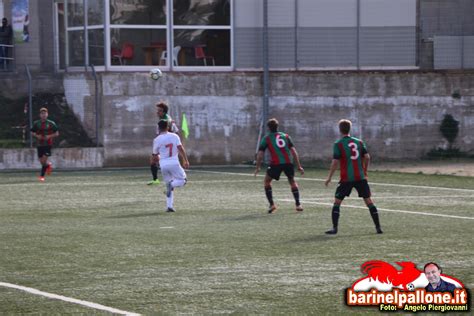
{"type": "Point", "coordinates": [68, 299]}
{"type": "Point", "coordinates": [382, 209]}
{"type": "Point", "coordinates": [322, 180]}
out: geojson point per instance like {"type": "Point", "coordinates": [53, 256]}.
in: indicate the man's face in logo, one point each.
{"type": "Point", "coordinates": [433, 274]}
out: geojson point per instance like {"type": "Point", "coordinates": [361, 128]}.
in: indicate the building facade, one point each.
{"type": "Point", "coordinates": [228, 35]}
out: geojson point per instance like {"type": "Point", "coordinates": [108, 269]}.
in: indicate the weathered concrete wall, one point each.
{"type": "Point", "coordinates": [61, 158]}
{"type": "Point", "coordinates": [15, 85]}
{"type": "Point", "coordinates": [398, 114]}
{"type": "Point", "coordinates": [79, 90]}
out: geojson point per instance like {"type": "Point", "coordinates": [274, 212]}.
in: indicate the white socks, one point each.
{"type": "Point", "coordinates": [174, 184]}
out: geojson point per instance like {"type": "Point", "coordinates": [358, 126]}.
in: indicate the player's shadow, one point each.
{"type": "Point", "coordinates": [323, 237]}
{"type": "Point", "coordinates": [135, 215]}
{"type": "Point", "coordinates": [247, 217]}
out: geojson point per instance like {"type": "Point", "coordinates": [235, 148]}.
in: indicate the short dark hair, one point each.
{"type": "Point", "coordinates": [272, 125]}
{"type": "Point", "coordinates": [163, 125]}
{"type": "Point", "coordinates": [345, 126]}
{"type": "Point", "coordinates": [431, 264]}
{"type": "Point", "coordinates": [163, 105]}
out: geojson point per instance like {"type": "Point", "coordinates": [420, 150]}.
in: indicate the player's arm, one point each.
{"type": "Point", "coordinates": [182, 152]}
{"type": "Point", "coordinates": [296, 159]}
{"type": "Point", "coordinates": [34, 132]}
{"type": "Point", "coordinates": [365, 163]}
{"type": "Point", "coordinates": [332, 169]}
{"type": "Point", "coordinates": [155, 158]}
{"type": "Point", "coordinates": [258, 162]}
{"type": "Point", "coordinates": [155, 152]}
{"type": "Point", "coordinates": [53, 135]}
{"type": "Point", "coordinates": [174, 128]}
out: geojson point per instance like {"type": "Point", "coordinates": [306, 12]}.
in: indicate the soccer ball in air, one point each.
{"type": "Point", "coordinates": [155, 74]}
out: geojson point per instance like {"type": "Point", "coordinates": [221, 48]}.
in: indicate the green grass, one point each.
{"type": "Point", "coordinates": [103, 236]}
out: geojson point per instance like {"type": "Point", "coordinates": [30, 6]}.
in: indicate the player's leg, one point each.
{"type": "Point", "coordinates": [154, 170]}
{"type": "Point", "coordinates": [49, 165]}
{"type": "Point", "coordinates": [267, 184]}
{"type": "Point", "coordinates": [374, 214]}
{"type": "Point", "coordinates": [364, 192]}
{"type": "Point", "coordinates": [273, 172]}
{"type": "Point", "coordinates": [167, 174]}
{"type": "Point", "coordinates": [290, 174]}
{"type": "Point", "coordinates": [336, 208]}
{"type": "Point", "coordinates": [343, 189]}
{"type": "Point", "coordinates": [44, 166]}
{"type": "Point", "coordinates": [176, 179]}
{"type": "Point", "coordinates": [178, 175]}
{"type": "Point", "coordinates": [43, 159]}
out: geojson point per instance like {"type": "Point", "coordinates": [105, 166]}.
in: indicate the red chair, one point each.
{"type": "Point", "coordinates": [125, 53]}
{"type": "Point", "coordinates": [200, 54]}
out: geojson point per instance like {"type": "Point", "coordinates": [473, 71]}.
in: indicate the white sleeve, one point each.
{"type": "Point", "coordinates": [156, 147]}
{"type": "Point", "coordinates": [174, 127]}
{"type": "Point", "coordinates": [178, 141]}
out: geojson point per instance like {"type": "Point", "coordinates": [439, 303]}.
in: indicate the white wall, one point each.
{"type": "Point", "coordinates": [248, 13]}
{"type": "Point", "coordinates": [327, 13]}
{"type": "Point", "coordinates": [388, 13]}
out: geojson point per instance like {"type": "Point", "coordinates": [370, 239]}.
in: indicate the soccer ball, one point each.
{"type": "Point", "coordinates": [155, 74]}
{"type": "Point", "coordinates": [410, 287]}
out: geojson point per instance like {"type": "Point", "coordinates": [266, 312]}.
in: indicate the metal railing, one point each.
{"type": "Point", "coordinates": [6, 58]}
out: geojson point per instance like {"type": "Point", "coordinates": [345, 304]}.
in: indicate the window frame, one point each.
{"type": "Point", "coordinates": [168, 26]}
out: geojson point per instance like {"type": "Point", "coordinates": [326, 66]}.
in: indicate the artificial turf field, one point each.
{"type": "Point", "coordinates": [103, 237]}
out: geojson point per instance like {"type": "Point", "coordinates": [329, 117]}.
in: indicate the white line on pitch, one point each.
{"type": "Point", "coordinates": [371, 183]}
{"type": "Point", "coordinates": [68, 299]}
{"type": "Point", "coordinates": [401, 197]}
{"type": "Point", "coordinates": [167, 227]}
{"type": "Point", "coordinates": [383, 209]}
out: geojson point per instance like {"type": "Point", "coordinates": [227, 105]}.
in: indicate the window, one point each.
{"type": "Point", "coordinates": [138, 32]}
{"type": "Point", "coordinates": [141, 33]}
{"type": "Point", "coordinates": [85, 33]}
{"type": "Point", "coordinates": [202, 29]}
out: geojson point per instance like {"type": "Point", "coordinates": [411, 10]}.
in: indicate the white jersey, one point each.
{"type": "Point", "coordinates": [166, 145]}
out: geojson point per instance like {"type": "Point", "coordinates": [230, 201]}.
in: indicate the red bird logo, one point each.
{"type": "Point", "coordinates": [386, 273]}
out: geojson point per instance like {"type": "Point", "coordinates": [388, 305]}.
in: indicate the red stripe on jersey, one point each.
{"type": "Point", "coordinates": [50, 131]}
{"type": "Point", "coordinates": [355, 166]}
{"type": "Point", "coordinates": [272, 151]}
{"type": "Point", "coordinates": [362, 159]}
{"type": "Point", "coordinates": [43, 130]}
{"type": "Point", "coordinates": [343, 162]}
{"type": "Point", "coordinates": [283, 150]}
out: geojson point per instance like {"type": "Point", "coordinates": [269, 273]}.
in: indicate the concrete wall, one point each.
{"type": "Point", "coordinates": [397, 114]}
{"type": "Point", "coordinates": [61, 158]}
{"type": "Point", "coordinates": [16, 86]}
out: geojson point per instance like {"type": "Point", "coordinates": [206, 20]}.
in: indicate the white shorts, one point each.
{"type": "Point", "coordinates": [172, 172]}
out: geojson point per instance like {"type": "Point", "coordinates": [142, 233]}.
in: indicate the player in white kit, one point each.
{"type": "Point", "coordinates": [166, 147]}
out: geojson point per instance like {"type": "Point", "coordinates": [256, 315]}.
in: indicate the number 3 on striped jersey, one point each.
{"type": "Point", "coordinates": [170, 146]}
{"type": "Point", "coordinates": [280, 142]}
{"type": "Point", "coordinates": [354, 151]}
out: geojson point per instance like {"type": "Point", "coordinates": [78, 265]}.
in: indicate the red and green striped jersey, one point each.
{"type": "Point", "coordinates": [279, 145]}
{"type": "Point", "coordinates": [47, 127]}
{"type": "Point", "coordinates": [350, 151]}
